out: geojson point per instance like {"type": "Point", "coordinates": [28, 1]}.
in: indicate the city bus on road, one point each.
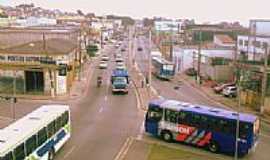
{"type": "Point", "coordinates": [38, 135]}
{"type": "Point", "coordinates": [202, 126]}
{"type": "Point", "coordinates": [162, 68]}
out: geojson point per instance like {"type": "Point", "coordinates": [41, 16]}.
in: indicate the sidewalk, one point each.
{"type": "Point", "coordinates": [144, 92]}
{"type": "Point", "coordinates": [207, 91]}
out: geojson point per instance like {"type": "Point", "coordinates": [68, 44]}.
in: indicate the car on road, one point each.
{"type": "Point", "coordinates": [219, 88]}
{"type": "Point", "coordinates": [139, 49]}
{"type": "Point", "coordinates": [105, 58]}
{"type": "Point", "coordinates": [230, 91]}
{"type": "Point", "coordinates": [123, 49]}
{"type": "Point", "coordinates": [103, 65]}
{"type": "Point", "coordinates": [119, 59]}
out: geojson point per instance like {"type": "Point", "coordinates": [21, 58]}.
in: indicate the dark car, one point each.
{"type": "Point", "coordinates": [191, 72]}
{"type": "Point", "coordinates": [219, 88]}
{"type": "Point", "coordinates": [139, 49]}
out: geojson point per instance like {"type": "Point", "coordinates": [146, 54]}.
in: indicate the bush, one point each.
{"type": "Point", "coordinates": [91, 50]}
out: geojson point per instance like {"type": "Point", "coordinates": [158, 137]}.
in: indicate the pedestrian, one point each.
{"type": "Point", "coordinates": [142, 83]}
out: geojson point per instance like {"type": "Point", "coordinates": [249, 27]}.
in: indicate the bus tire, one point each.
{"type": "Point", "coordinates": [213, 146]}
{"type": "Point", "coordinates": [51, 154]}
{"type": "Point", "coordinates": [167, 136]}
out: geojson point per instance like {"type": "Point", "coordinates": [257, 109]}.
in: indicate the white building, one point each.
{"type": "Point", "coordinates": [168, 26]}
{"type": "Point", "coordinates": [35, 21]}
{"type": "Point", "coordinates": [252, 46]}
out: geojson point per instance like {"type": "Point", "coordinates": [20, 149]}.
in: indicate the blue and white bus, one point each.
{"type": "Point", "coordinates": [202, 126]}
{"type": "Point", "coordinates": [162, 68]}
{"type": "Point", "coordinates": [37, 136]}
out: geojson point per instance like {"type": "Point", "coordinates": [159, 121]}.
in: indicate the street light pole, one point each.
{"type": "Point", "coordinates": [264, 80]}
{"type": "Point", "coordinates": [199, 58]}
{"type": "Point", "coordinates": [150, 59]}
{"type": "Point", "coordinates": [238, 121]}
{"type": "Point", "coordinates": [14, 96]}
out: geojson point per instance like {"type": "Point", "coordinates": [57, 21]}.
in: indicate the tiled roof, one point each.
{"type": "Point", "coordinates": [52, 47]}
{"type": "Point", "coordinates": [224, 38]}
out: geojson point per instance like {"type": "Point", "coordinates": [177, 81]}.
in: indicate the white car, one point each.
{"type": "Point", "coordinates": [103, 65]}
{"type": "Point", "coordinates": [118, 55]}
{"type": "Point", "coordinates": [105, 58]}
{"type": "Point", "coordinates": [230, 91]}
{"type": "Point", "coordinates": [120, 64]}
{"type": "Point", "coordinates": [119, 59]}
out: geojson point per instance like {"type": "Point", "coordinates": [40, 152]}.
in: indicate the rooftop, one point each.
{"type": "Point", "coordinates": [52, 47]}
{"type": "Point", "coordinates": [224, 38]}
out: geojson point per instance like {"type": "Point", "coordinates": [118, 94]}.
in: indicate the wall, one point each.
{"type": "Point", "coordinates": [219, 73]}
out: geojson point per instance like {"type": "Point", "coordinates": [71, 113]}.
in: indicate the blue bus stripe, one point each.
{"type": "Point", "coordinates": [46, 147]}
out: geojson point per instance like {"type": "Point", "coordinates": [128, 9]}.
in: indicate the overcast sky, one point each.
{"type": "Point", "coordinates": [200, 10]}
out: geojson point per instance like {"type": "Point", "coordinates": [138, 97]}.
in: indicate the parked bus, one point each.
{"type": "Point", "coordinates": [202, 126]}
{"type": "Point", "coordinates": [38, 135]}
{"type": "Point", "coordinates": [162, 68]}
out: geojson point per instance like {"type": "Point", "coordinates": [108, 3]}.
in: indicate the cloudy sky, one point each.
{"type": "Point", "coordinates": [200, 10]}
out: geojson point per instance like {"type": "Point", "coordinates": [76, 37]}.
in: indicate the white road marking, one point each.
{"type": "Point", "coordinates": [100, 110]}
{"type": "Point", "coordinates": [69, 152]}
{"type": "Point", "coordinates": [106, 98]}
{"type": "Point", "coordinates": [140, 135]}
{"type": "Point", "coordinates": [124, 149]}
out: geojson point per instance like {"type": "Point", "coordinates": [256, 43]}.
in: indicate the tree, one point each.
{"type": "Point", "coordinates": [79, 12]}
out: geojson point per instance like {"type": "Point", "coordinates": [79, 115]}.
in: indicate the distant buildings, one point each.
{"type": "Point", "coordinates": [221, 40]}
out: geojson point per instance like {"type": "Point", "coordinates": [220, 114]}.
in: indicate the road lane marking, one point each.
{"type": "Point", "coordinates": [106, 98]}
{"type": "Point", "coordinates": [124, 149]}
{"type": "Point", "coordinates": [100, 110]}
{"type": "Point", "coordinates": [69, 152]}
{"type": "Point", "coordinates": [140, 135]}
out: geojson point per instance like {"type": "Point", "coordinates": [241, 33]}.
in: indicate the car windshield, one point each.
{"type": "Point", "coordinates": [120, 80]}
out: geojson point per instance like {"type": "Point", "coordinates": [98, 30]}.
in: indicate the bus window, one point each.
{"type": "Point", "coordinates": [31, 144]}
{"type": "Point", "coordinates": [203, 123]}
{"type": "Point", "coordinates": [51, 129]}
{"type": "Point", "coordinates": [212, 124]}
{"type": "Point", "coordinates": [19, 152]}
{"type": "Point", "coordinates": [171, 116]}
{"type": "Point", "coordinates": [8, 156]}
{"type": "Point", "coordinates": [65, 118]}
{"type": "Point", "coordinates": [184, 118]}
{"type": "Point", "coordinates": [154, 114]}
{"type": "Point", "coordinates": [196, 120]}
{"type": "Point", "coordinates": [244, 129]}
{"type": "Point", "coordinates": [58, 124]}
{"type": "Point", "coordinates": [42, 136]}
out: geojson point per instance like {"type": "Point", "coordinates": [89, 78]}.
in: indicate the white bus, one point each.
{"type": "Point", "coordinates": [38, 135]}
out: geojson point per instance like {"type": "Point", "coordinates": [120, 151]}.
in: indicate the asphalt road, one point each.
{"type": "Point", "coordinates": [101, 122]}
{"type": "Point", "coordinates": [189, 94]}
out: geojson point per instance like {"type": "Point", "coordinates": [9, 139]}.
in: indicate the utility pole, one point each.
{"type": "Point", "coordinates": [264, 80]}
{"type": "Point", "coordinates": [238, 121]}
{"type": "Point", "coordinates": [150, 59]}
{"type": "Point", "coordinates": [171, 44]}
{"type": "Point", "coordinates": [14, 96]}
{"type": "Point", "coordinates": [199, 58]}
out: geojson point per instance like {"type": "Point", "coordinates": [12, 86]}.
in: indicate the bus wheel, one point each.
{"type": "Point", "coordinates": [167, 136]}
{"type": "Point", "coordinates": [213, 146]}
{"type": "Point", "coordinates": [51, 154]}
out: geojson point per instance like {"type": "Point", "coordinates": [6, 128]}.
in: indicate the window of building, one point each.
{"type": "Point", "coordinates": [240, 42]}
{"type": "Point", "coordinates": [2, 58]}
{"type": "Point", "coordinates": [257, 44]}
{"type": "Point", "coordinates": [31, 144]}
{"type": "Point", "coordinates": [265, 44]}
{"type": "Point", "coordinates": [32, 59]}
{"type": "Point", "coordinates": [19, 152]}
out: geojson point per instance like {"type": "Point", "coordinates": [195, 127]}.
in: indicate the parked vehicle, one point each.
{"type": "Point", "coordinates": [230, 91]}
{"type": "Point", "coordinates": [162, 68]}
{"type": "Point", "coordinates": [105, 58]}
{"type": "Point", "coordinates": [202, 126]}
{"type": "Point", "coordinates": [219, 88]}
{"type": "Point", "coordinates": [119, 59]}
{"type": "Point", "coordinates": [103, 65]}
{"type": "Point", "coordinates": [191, 72]}
{"type": "Point", "coordinates": [139, 49]}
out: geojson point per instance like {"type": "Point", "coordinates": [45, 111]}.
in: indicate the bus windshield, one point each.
{"type": "Point", "coordinates": [154, 114]}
